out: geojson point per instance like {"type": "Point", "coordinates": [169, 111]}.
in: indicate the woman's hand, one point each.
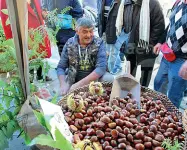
{"type": "Point", "coordinates": [156, 48]}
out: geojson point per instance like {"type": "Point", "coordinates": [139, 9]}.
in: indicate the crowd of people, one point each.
{"type": "Point", "coordinates": [134, 29]}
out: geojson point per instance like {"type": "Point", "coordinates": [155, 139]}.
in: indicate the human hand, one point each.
{"type": "Point", "coordinates": [75, 86]}
{"type": "Point", "coordinates": [156, 48]}
{"type": "Point", "coordinates": [64, 89]}
{"type": "Point", "coordinates": [183, 71]}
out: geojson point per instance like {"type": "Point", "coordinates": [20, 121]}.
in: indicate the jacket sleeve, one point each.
{"type": "Point", "coordinates": [157, 24]}
{"type": "Point", "coordinates": [100, 20]}
{"type": "Point", "coordinates": [77, 11]}
{"type": "Point", "coordinates": [162, 38]}
{"type": "Point", "coordinates": [101, 60]}
{"type": "Point", "coordinates": [63, 63]}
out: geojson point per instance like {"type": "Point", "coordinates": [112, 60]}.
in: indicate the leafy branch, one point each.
{"type": "Point", "coordinates": [54, 20]}
{"type": "Point", "coordinates": [168, 145]}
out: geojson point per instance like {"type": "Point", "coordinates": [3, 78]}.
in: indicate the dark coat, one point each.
{"type": "Point", "coordinates": [157, 24]}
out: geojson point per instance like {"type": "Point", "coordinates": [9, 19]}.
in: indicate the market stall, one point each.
{"type": "Point", "coordinates": [94, 119]}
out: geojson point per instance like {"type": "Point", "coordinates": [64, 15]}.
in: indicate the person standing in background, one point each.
{"type": "Point", "coordinates": [173, 69]}
{"type": "Point", "coordinates": [127, 28]}
{"type": "Point", "coordinates": [76, 12]}
{"type": "Point", "coordinates": [104, 8]}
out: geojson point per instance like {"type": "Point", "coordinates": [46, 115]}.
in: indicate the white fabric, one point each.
{"type": "Point", "coordinates": [119, 19]}
{"type": "Point", "coordinates": [184, 48]}
{"type": "Point", "coordinates": [179, 32]}
{"type": "Point", "coordinates": [178, 15]}
{"type": "Point", "coordinates": [144, 26]}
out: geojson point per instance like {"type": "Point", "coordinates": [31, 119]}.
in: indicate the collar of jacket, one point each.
{"type": "Point", "coordinates": [137, 2]}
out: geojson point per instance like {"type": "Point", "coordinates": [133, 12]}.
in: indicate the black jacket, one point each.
{"type": "Point", "coordinates": [157, 24]}
{"type": "Point", "coordinates": [100, 17]}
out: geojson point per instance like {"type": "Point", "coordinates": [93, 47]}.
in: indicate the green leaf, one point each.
{"type": "Point", "coordinates": [66, 9]}
{"type": "Point", "coordinates": [33, 88]}
{"type": "Point", "coordinates": [176, 145]}
{"type": "Point", "coordinates": [7, 21]}
{"type": "Point", "coordinates": [16, 101]}
{"type": "Point", "coordinates": [11, 89]}
{"type": "Point", "coordinates": [4, 131]}
{"type": "Point", "coordinates": [40, 118]}
{"type": "Point", "coordinates": [10, 130]}
{"type": "Point", "coordinates": [9, 114]}
{"type": "Point", "coordinates": [1, 108]}
{"type": "Point", "coordinates": [16, 111]}
{"type": "Point", "coordinates": [62, 142]}
{"type": "Point", "coordinates": [37, 101]}
{"type": "Point", "coordinates": [2, 136]}
{"type": "Point", "coordinates": [7, 100]}
{"type": "Point", "coordinates": [167, 144]}
{"type": "Point", "coordinates": [3, 141]}
{"type": "Point", "coordinates": [10, 44]}
{"type": "Point", "coordinates": [54, 99]}
{"type": "Point", "coordinates": [4, 118]}
{"type": "Point", "coordinates": [43, 140]}
{"type": "Point", "coordinates": [2, 83]}
{"type": "Point", "coordinates": [14, 124]}
{"type": "Point", "coordinates": [27, 138]}
{"type": "Point", "coordinates": [5, 11]}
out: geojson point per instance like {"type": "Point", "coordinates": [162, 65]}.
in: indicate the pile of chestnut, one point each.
{"type": "Point", "coordinates": [123, 125]}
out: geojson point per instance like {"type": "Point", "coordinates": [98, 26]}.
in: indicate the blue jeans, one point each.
{"type": "Point", "coordinates": [114, 61]}
{"type": "Point", "coordinates": [168, 81]}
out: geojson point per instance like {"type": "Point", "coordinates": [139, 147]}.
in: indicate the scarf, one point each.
{"type": "Point", "coordinates": [144, 23]}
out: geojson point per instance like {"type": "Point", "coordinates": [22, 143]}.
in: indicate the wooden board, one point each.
{"type": "Point", "coordinates": [18, 15]}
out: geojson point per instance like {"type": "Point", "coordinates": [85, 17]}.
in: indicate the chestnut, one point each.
{"type": "Point", "coordinates": [139, 146]}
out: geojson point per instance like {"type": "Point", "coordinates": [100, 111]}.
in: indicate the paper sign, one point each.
{"type": "Point", "coordinates": [124, 84]}
{"type": "Point", "coordinates": [57, 120]}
